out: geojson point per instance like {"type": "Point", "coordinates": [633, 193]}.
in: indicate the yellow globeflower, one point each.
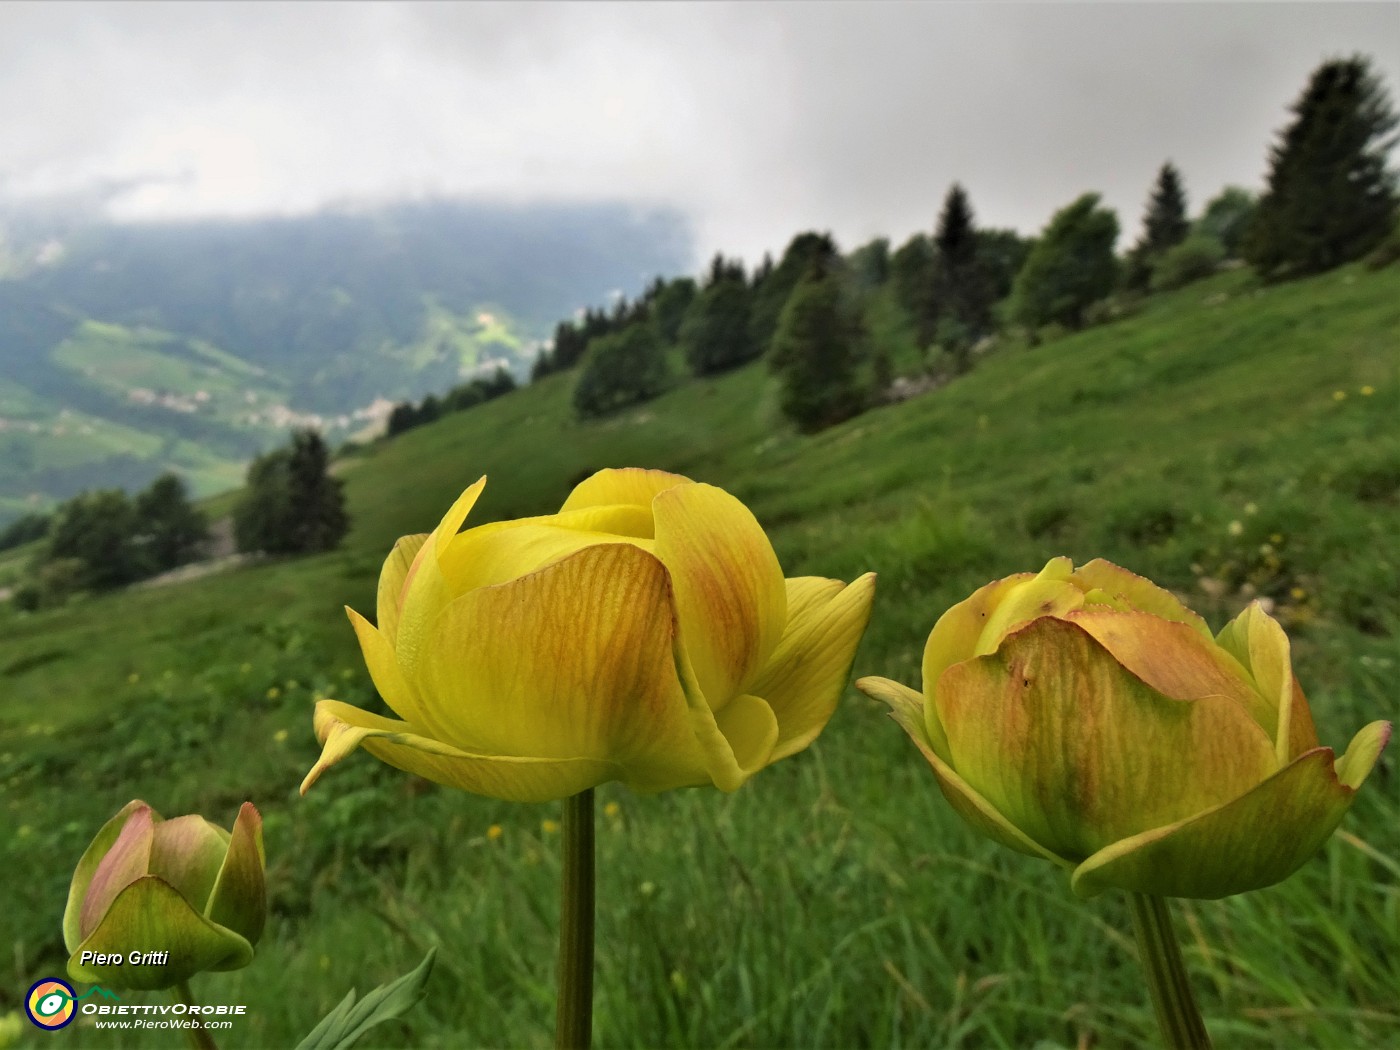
{"type": "Point", "coordinates": [644, 634]}
{"type": "Point", "coordinates": [1088, 717]}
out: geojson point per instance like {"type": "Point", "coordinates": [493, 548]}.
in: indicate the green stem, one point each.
{"type": "Point", "coordinates": [198, 1036]}
{"type": "Point", "coordinates": [1178, 1017]}
{"type": "Point", "coordinates": [573, 1022]}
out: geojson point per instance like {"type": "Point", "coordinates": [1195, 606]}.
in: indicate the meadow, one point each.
{"type": "Point", "coordinates": [1228, 440]}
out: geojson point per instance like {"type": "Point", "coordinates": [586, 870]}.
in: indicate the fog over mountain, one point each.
{"type": "Point", "coordinates": [130, 348]}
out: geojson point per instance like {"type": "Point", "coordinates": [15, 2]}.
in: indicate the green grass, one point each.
{"type": "Point", "coordinates": [835, 900]}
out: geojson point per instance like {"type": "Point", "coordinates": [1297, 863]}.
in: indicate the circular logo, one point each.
{"type": "Point", "coordinates": [49, 1003]}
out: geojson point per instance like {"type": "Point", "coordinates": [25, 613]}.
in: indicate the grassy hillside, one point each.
{"type": "Point", "coordinates": [1229, 440]}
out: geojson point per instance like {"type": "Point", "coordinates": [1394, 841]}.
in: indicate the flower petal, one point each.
{"type": "Point", "coordinates": [342, 728]}
{"type": "Point", "coordinates": [239, 898]}
{"type": "Point", "coordinates": [907, 708]}
{"type": "Point", "coordinates": [730, 593]}
{"type": "Point", "coordinates": [503, 551]}
{"type": "Point", "coordinates": [629, 485]}
{"type": "Point", "coordinates": [151, 912]}
{"type": "Point", "coordinates": [966, 629]}
{"type": "Point", "coordinates": [127, 860]}
{"type": "Point", "coordinates": [804, 678]}
{"type": "Point", "coordinates": [1137, 592]}
{"type": "Point", "coordinates": [387, 675]}
{"type": "Point", "coordinates": [1255, 639]}
{"type": "Point", "coordinates": [100, 846]}
{"type": "Point", "coordinates": [1174, 659]}
{"type": "Point", "coordinates": [1253, 841]}
{"type": "Point", "coordinates": [573, 661]}
{"type": "Point", "coordinates": [186, 852]}
{"type": "Point", "coordinates": [392, 577]}
{"type": "Point", "coordinates": [1365, 748]}
{"type": "Point", "coordinates": [1078, 753]}
{"type": "Point", "coordinates": [425, 589]}
{"type": "Point", "coordinates": [734, 744]}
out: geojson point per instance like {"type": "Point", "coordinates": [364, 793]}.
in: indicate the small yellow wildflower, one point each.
{"type": "Point", "coordinates": [280, 736]}
{"type": "Point", "coordinates": [1250, 508]}
{"type": "Point", "coordinates": [1236, 528]}
{"type": "Point", "coordinates": [1368, 390]}
{"type": "Point", "coordinates": [1276, 538]}
{"type": "Point", "coordinates": [133, 678]}
{"type": "Point", "coordinates": [1339, 395]}
{"type": "Point", "coordinates": [273, 693]}
{"type": "Point", "coordinates": [612, 809]}
{"type": "Point", "coordinates": [549, 827]}
{"type": "Point", "coordinates": [494, 832]}
{"type": "Point", "coordinates": [1298, 594]}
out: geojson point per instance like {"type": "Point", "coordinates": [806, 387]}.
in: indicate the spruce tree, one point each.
{"type": "Point", "coordinates": [1164, 226]}
{"type": "Point", "coordinates": [1330, 197]}
{"type": "Point", "coordinates": [961, 291]}
{"type": "Point", "coordinates": [816, 353]}
{"type": "Point", "coordinates": [291, 504]}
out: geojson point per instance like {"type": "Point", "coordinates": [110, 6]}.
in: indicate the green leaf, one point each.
{"type": "Point", "coordinates": [350, 1020]}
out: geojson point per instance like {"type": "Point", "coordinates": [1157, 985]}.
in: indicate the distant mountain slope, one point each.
{"type": "Point", "coordinates": [129, 349]}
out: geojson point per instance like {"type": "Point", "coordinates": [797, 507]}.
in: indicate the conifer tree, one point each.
{"type": "Point", "coordinates": [961, 290]}
{"type": "Point", "coordinates": [292, 505]}
{"type": "Point", "coordinates": [1330, 195]}
{"type": "Point", "coordinates": [1164, 226]}
{"type": "Point", "coordinates": [816, 352]}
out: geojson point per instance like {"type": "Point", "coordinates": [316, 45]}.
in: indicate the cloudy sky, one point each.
{"type": "Point", "coordinates": [756, 120]}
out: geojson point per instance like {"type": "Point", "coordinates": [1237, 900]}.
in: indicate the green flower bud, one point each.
{"type": "Point", "coordinates": [1088, 717]}
{"type": "Point", "coordinates": [155, 901]}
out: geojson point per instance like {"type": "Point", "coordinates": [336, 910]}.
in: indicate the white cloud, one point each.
{"type": "Point", "coordinates": [757, 119]}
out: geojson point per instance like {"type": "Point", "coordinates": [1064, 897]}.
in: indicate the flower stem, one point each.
{"type": "Point", "coordinates": [573, 1022]}
{"type": "Point", "coordinates": [197, 1035]}
{"type": "Point", "coordinates": [1178, 1017]}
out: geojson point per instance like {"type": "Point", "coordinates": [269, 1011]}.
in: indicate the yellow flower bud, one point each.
{"type": "Point", "coordinates": [1088, 717]}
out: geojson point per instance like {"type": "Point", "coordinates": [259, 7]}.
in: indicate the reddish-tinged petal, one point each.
{"type": "Point", "coordinates": [186, 852]}
{"type": "Point", "coordinates": [127, 860]}
{"type": "Point", "coordinates": [1077, 753]}
{"type": "Point", "coordinates": [87, 866]}
{"type": "Point", "coordinates": [239, 898]}
{"type": "Point", "coordinates": [150, 912]}
{"type": "Point", "coordinates": [976, 626]}
{"type": "Point", "coordinates": [1252, 841]}
{"type": "Point", "coordinates": [1137, 592]}
{"type": "Point", "coordinates": [1174, 659]}
{"type": "Point", "coordinates": [907, 708]}
{"type": "Point", "coordinates": [730, 593]}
